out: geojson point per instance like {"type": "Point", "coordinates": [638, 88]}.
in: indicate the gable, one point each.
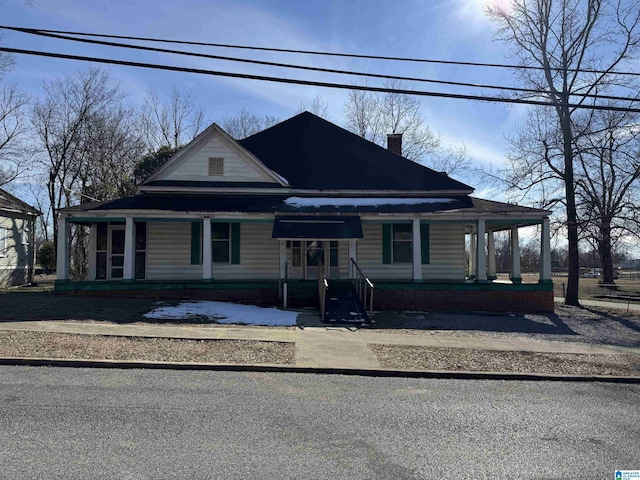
{"type": "Point", "coordinates": [213, 157]}
{"type": "Point", "coordinates": [10, 204]}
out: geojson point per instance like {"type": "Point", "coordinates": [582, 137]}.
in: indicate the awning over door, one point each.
{"type": "Point", "coordinates": [325, 227]}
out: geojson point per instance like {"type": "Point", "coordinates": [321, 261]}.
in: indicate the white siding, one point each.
{"type": "Point", "coordinates": [343, 259]}
{"type": "Point", "coordinates": [259, 255]}
{"type": "Point", "coordinates": [446, 248]}
{"type": "Point", "coordinates": [169, 252]}
{"type": "Point", "coordinates": [14, 258]}
{"type": "Point", "coordinates": [15, 253]}
{"type": "Point", "coordinates": [446, 254]}
{"type": "Point", "coordinates": [195, 165]}
{"type": "Point", "coordinates": [369, 256]}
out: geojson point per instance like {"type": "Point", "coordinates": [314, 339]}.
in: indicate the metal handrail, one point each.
{"type": "Point", "coordinates": [285, 285]}
{"type": "Point", "coordinates": [362, 285]}
{"type": "Point", "coordinates": [323, 286]}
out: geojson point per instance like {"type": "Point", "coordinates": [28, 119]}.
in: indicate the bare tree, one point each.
{"type": "Point", "coordinates": [64, 123]}
{"type": "Point", "coordinates": [113, 147]}
{"type": "Point", "coordinates": [245, 124]}
{"type": "Point", "coordinates": [607, 189]}
{"type": "Point", "coordinates": [171, 123]}
{"type": "Point", "coordinates": [317, 106]}
{"type": "Point", "coordinates": [13, 132]}
{"type": "Point", "coordinates": [373, 117]}
{"type": "Point", "coordinates": [451, 160]}
{"type": "Point", "coordinates": [576, 45]}
{"type": "Point", "coordinates": [7, 61]}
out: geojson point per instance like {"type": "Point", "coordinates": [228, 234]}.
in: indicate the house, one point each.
{"type": "Point", "coordinates": [17, 240]}
{"type": "Point", "coordinates": [262, 219]}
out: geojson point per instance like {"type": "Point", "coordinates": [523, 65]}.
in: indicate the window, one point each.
{"type": "Point", "coordinates": [101, 251]}
{"type": "Point", "coordinates": [216, 167]}
{"type": "Point", "coordinates": [333, 253]}
{"type": "Point", "coordinates": [296, 252]}
{"type": "Point", "coordinates": [220, 242]}
{"type": "Point", "coordinates": [402, 239]}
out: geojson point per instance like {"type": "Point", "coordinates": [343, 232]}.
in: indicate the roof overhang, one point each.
{"type": "Point", "coordinates": [317, 227]}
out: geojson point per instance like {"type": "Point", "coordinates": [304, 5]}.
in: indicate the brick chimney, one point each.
{"type": "Point", "coordinates": [394, 143]}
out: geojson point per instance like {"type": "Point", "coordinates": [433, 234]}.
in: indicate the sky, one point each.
{"type": "Point", "coordinates": [433, 29]}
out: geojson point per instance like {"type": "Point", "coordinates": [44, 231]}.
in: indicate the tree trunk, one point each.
{"type": "Point", "coordinates": [604, 249]}
{"type": "Point", "coordinates": [571, 295]}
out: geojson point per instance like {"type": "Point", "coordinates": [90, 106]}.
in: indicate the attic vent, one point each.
{"type": "Point", "coordinates": [216, 167]}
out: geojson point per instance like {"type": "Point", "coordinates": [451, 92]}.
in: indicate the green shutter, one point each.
{"type": "Point", "coordinates": [195, 243]}
{"type": "Point", "coordinates": [386, 243]}
{"type": "Point", "coordinates": [424, 242]}
{"type": "Point", "coordinates": [235, 243]}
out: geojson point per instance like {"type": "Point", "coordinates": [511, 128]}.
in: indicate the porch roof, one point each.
{"type": "Point", "coordinates": [324, 227]}
{"type": "Point", "coordinates": [275, 204]}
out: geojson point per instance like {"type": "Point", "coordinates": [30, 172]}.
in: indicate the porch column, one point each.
{"type": "Point", "coordinates": [515, 274]}
{"type": "Point", "coordinates": [491, 246]}
{"type": "Point", "coordinates": [283, 259]}
{"type": "Point", "coordinates": [545, 252]}
{"type": "Point", "coordinates": [93, 243]}
{"type": "Point", "coordinates": [31, 262]}
{"type": "Point", "coordinates": [207, 259]}
{"type": "Point", "coordinates": [417, 251]}
{"type": "Point", "coordinates": [352, 256]}
{"type": "Point", "coordinates": [472, 253]}
{"type": "Point", "coordinates": [129, 249]}
{"type": "Point", "coordinates": [62, 254]}
{"type": "Point", "coordinates": [481, 254]}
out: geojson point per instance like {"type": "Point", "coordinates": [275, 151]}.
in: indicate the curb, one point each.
{"type": "Point", "coordinates": [393, 373]}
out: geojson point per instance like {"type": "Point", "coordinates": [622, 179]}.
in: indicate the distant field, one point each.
{"type": "Point", "coordinates": [627, 287]}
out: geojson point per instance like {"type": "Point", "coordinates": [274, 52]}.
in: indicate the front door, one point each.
{"type": "Point", "coordinates": [116, 252]}
{"type": "Point", "coordinates": [306, 256]}
{"type": "Point", "coordinates": [314, 259]}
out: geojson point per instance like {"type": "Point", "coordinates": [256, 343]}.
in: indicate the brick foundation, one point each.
{"type": "Point", "coordinates": [521, 301]}
{"type": "Point", "coordinates": [491, 297]}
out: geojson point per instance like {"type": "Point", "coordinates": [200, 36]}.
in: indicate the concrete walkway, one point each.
{"type": "Point", "coordinates": [322, 347]}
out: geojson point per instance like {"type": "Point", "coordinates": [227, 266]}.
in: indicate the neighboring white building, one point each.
{"type": "Point", "coordinates": [17, 240]}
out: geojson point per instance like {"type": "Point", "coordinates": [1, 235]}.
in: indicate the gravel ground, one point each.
{"type": "Point", "coordinates": [64, 345]}
{"type": "Point", "coordinates": [567, 324]}
{"type": "Point", "coordinates": [457, 359]}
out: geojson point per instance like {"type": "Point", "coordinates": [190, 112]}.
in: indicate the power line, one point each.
{"type": "Point", "coordinates": [330, 54]}
{"type": "Point", "coordinates": [294, 81]}
{"type": "Point", "coordinates": [308, 68]}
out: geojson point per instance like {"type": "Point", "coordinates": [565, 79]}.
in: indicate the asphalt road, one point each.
{"type": "Point", "coordinates": [135, 424]}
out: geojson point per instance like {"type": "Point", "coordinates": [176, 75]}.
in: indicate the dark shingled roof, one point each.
{"type": "Point", "coordinates": [9, 202]}
{"type": "Point", "coordinates": [312, 153]}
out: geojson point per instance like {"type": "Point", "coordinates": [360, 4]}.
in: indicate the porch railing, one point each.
{"type": "Point", "coordinates": [363, 286]}
{"type": "Point", "coordinates": [323, 286]}
{"type": "Point", "coordinates": [284, 285]}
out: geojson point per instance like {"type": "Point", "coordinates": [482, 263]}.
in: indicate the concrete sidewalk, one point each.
{"type": "Point", "coordinates": [322, 347]}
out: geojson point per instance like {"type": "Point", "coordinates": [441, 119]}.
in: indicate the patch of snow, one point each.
{"type": "Point", "coordinates": [223, 312]}
{"type": "Point", "coordinates": [360, 202]}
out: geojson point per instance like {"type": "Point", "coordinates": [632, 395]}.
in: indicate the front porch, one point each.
{"type": "Point", "coordinates": [417, 263]}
